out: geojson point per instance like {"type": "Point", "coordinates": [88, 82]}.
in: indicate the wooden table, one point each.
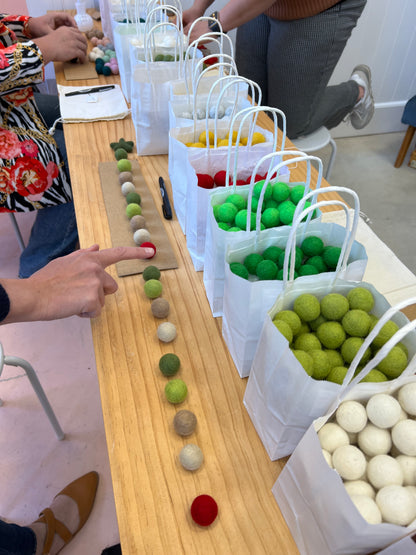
{"type": "Point", "coordinates": [153, 493]}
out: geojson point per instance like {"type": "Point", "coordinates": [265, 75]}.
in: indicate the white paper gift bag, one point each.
{"type": "Point", "coordinates": [311, 495]}
{"type": "Point", "coordinates": [246, 302]}
{"type": "Point", "coordinates": [122, 33]}
{"type": "Point", "coordinates": [281, 398]}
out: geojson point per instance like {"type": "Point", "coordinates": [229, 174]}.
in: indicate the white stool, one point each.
{"type": "Point", "coordinates": [34, 380]}
{"type": "Point", "coordinates": [315, 141]}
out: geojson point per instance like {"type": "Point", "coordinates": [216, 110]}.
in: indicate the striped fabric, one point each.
{"type": "Point", "coordinates": [286, 10]}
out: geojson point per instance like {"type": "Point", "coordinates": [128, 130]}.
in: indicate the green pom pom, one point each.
{"type": "Point", "coordinates": [307, 307]}
{"type": "Point", "coordinates": [251, 261]}
{"type": "Point", "coordinates": [305, 360]}
{"type": "Point", "coordinates": [280, 274]}
{"type": "Point", "coordinates": [337, 374]}
{"type": "Point", "coordinates": [356, 322]}
{"type": "Point", "coordinates": [169, 364]}
{"type": "Point", "coordinates": [227, 212]}
{"type": "Point", "coordinates": [286, 211]}
{"type": "Point", "coordinates": [224, 226]}
{"type": "Point", "coordinates": [153, 288]}
{"type": "Point", "coordinates": [151, 272]}
{"type": "Point", "coordinates": [124, 165]}
{"type": "Point", "coordinates": [331, 335]}
{"type": "Point", "coordinates": [215, 210]}
{"type": "Point", "coordinates": [312, 246]}
{"type": "Point", "coordinates": [106, 71]}
{"type": "Point", "coordinates": [133, 197]}
{"type": "Point", "coordinates": [385, 333]}
{"type": "Point", "coordinates": [334, 306]}
{"type": "Point", "coordinates": [271, 204]}
{"type": "Point", "coordinates": [234, 228]}
{"type": "Point", "coordinates": [331, 256]}
{"type": "Point", "coordinates": [321, 367]}
{"type": "Point", "coordinates": [239, 201]}
{"type": "Point", "coordinates": [133, 209]}
{"type": "Point", "coordinates": [350, 348]}
{"type": "Point", "coordinates": [314, 324]}
{"type": "Point", "coordinates": [361, 298]}
{"type": "Point", "coordinates": [120, 154]}
{"type": "Point", "coordinates": [307, 342]}
{"type": "Point", "coordinates": [272, 253]}
{"type": "Point", "coordinates": [241, 220]}
{"type": "Point", "coordinates": [270, 217]}
{"type": "Point", "coordinates": [127, 145]}
{"type": "Point", "coordinates": [308, 270]}
{"type": "Point", "coordinates": [296, 193]}
{"type": "Point", "coordinates": [176, 391]}
{"type": "Point", "coordinates": [266, 270]}
{"type": "Point", "coordinates": [280, 191]}
{"type": "Point", "coordinates": [334, 357]}
{"type": "Point", "coordinates": [291, 318]}
{"type": "Point", "coordinates": [375, 376]}
{"type": "Point", "coordinates": [393, 363]}
{"type": "Point", "coordinates": [239, 270]}
{"type": "Point", "coordinates": [258, 188]}
{"type": "Point", "coordinates": [284, 329]}
{"type": "Point", "coordinates": [298, 258]}
{"type": "Point", "coordinates": [319, 263]}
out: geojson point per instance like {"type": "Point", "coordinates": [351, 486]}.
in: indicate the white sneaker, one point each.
{"type": "Point", "coordinates": [363, 111]}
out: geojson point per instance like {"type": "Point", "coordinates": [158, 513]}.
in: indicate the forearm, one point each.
{"type": "Point", "coordinates": [22, 299]}
{"type": "Point", "coordinates": [238, 12]}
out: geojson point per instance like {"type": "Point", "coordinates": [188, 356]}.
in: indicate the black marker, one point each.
{"type": "Point", "coordinates": [166, 208]}
{"type": "Point", "coordinates": [91, 90]}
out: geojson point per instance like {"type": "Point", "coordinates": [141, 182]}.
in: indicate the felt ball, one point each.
{"type": "Point", "coordinates": [351, 416]}
{"type": "Point", "coordinates": [319, 263]}
{"type": "Point", "coordinates": [334, 306]}
{"type": "Point", "coordinates": [114, 69]}
{"type": "Point", "coordinates": [367, 508]}
{"type": "Point", "coordinates": [350, 348]}
{"type": "Point", "coordinates": [407, 398]}
{"type": "Point", "coordinates": [349, 462]}
{"type": "Point", "coordinates": [305, 360]}
{"type": "Point", "coordinates": [153, 288]}
{"type": "Point", "coordinates": [120, 154]}
{"type": "Point", "coordinates": [408, 466]}
{"type": "Point", "coordinates": [133, 197]}
{"type": "Point", "coordinates": [307, 307]}
{"type": "Point", "coordinates": [224, 226]}
{"type": "Point", "coordinates": [128, 187]}
{"type": "Point", "coordinates": [307, 342]}
{"type": "Point", "coordinates": [205, 181]}
{"type": "Point", "coordinates": [356, 322]}
{"type": "Point", "coordinates": [296, 193]}
{"type": "Point", "coordinates": [227, 212]}
{"type": "Point", "coordinates": [314, 324]}
{"type": "Point", "coordinates": [191, 457]}
{"type": "Point", "coordinates": [403, 435]}
{"type": "Point", "coordinates": [286, 212]}
{"type": "Point", "coordinates": [327, 457]}
{"type": "Point", "coordinates": [251, 262]}
{"type": "Point", "coordinates": [361, 298]}
{"type": "Point", "coordinates": [239, 270]}
{"type": "Point", "coordinates": [106, 71]}
{"type": "Point", "coordinates": [241, 220]}
{"type": "Point", "coordinates": [133, 209]}
{"type": "Point", "coordinates": [308, 270]}
{"type": "Point", "coordinates": [238, 200]}
{"type": "Point", "coordinates": [259, 186]}
{"type": "Point", "coordinates": [284, 329]}
{"type": "Point", "coordinates": [312, 246]}
{"type": "Point", "coordinates": [166, 332]}
{"type": "Point", "coordinates": [331, 334]}
{"type": "Point", "coordinates": [337, 374]}
{"type": "Point", "coordinates": [176, 390]}
{"type": "Point", "coordinates": [124, 165]}
{"type": "Point", "coordinates": [266, 270]}
{"type": "Point", "coordinates": [272, 253]}
{"type": "Point", "coordinates": [151, 272]}
{"type": "Point", "coordinates": [280, 191]}
{"type": "Point", "coordinates": [397, 505]}
{"type": "Point", "coordinates": [374, 441]}
{"type": "Point", "coordinates": [331, 256]}
{"type": "Point", "coordinates": [359, 487]}
{"type": "Point", "coordinates": [335, 358]}
{"type": "Point", "coordinates": [233, 228]}
{"type": "Point", "coordinates": [99, 68]}
{"type": "Point", "coordinates": [137, 222]}
{"type": "Point", "coordinates": [219, 178]}
{"type": "Point", "coordinates": [298, 259]}
{"type": "Point", "coordinates": [331, 436]}
{"type": "Point", "coordinates": [270, 217]}
{"type": "Point", "coordinates": [383, 410]}
{"type": "Point", "coordinates": [375, 376]}
{"type": "Point", "coordinates": [160, 308]}
{"type": "Point", "coordinates": [184, 422]}
{"type": "Point", "coordinates": [280, 275]}
{"type": "Point", "coordinates": [384, 470]}
{"type": "Point", "coordinates": [204, 510]}
{"type": "Point", "coordinates": [386, 332]}
{"type": "Point", "coordinates": [291, 318]}
{"type": "Point", "coordinates": [148, 244]}
{"type": "Point", "coordinates": [393, 363]}
{"type": "Point", "coordinates": [125, 175]}
{"type": "Point", "coordinates": [140, 236]}
{"type": "Point", "coordinates": [169, 364]}
{"type": "Point", "coordinates": [321, 367]}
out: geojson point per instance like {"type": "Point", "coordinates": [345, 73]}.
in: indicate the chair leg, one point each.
{"type": "Point", "coordinates": [331, 158]}
{"type": "Point", "coordinates": [31, 374]}
{"type": "Point", "coordinates": [405, 145]}
{"type": "Point", "coordinates": [17, 231]}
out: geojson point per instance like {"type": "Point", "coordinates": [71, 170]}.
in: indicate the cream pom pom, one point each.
{"type": "Point", "coordinates": [327, 457]}
{"type": "Point", "coordinates": [368, 508]}
{"type": "Point", "coordinates": [397, 505]}
{"type": "Point", "coordinates": [374, 441]}
{"type": "Point", "coordinates": [403, 435]}
{"type": "Point", "coordinates": [360, 487]}
{"type": "Point", "coordinates": [332, 436]}
{"type": "Point", "coordinates": [351, 416]}
{"type": "Point", "coordinates": [383, 470]}
{"type": "Point", "coordinates": [407, 398]}
{"type": "Point", "coordinates": [349, 462]}
{"type": "Point", "coordinates": [383, 410]}
{"type": "Point", "coordinates": [408, 465]}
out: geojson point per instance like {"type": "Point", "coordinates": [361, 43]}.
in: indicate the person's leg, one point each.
{"type": "Point", "coordinates": [54, 234]}
{"type": "Point", "coordinates": [16, 540]}
{"type": "Point", "coordinates": [302, 55]}
{"type": "Point", "coordinates": [251, 52]}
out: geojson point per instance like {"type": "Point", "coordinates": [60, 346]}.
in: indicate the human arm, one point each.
{"type": "Point", "coordinates": [45, 24]}
{"type": "Point", "coordinates": [71, 285]}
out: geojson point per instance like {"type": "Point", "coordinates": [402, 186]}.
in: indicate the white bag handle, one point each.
{"type": "Point", "coordinates": [301, 212]}
{"type": "Point", "coordinates": [208, 20]}
{"type": "Point", "coordinates": [150, 46]}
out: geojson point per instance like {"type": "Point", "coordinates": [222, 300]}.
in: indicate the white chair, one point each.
{"type": "Point", "coordinates": [315, 141]}
{"type": "Point", "coordinates": [17, 231]}
{"type": "Point", "coordinates": [31, 374]}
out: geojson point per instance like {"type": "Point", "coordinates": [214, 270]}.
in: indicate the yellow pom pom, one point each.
{"type": "Point", "coordinates": [258, 138]}
{"type": "Point", "coordinates": [197, 145]}
{"type": "Point", "coordinates": [244, 141]}
{"type": "Point", "coordinates": [203, 137]}
{"type": "Point", "coordinates": [235, 133]}
{"type": "Point", "coordinates": [223, 142]}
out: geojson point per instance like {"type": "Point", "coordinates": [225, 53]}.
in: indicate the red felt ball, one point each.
{"type": "Point", "coordinates": [240, 182]}
{"type": "Point", "coordinates": [205, 181]}
{"type": "Point", "coordinates": [219, 178]}
{"type": "Point", "coordinates": [150, 245]}
{"type": "Point", "coordinates": [204, 510]}
{"type": "Point", "coordinates": [259, 177]}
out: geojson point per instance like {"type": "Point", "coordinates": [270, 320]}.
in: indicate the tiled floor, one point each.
{"type": "Point", "coordinates": [34, 464]}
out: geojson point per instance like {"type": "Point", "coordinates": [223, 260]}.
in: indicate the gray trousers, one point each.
{"type": "Point", "coordinates": [292, 61]}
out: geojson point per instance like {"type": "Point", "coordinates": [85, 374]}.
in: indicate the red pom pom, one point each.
{"type": "Point", "coordinates": [219, 178]}
{"type": "Point", "coordinates": [259, 177]}
{"type": "Point", "coordinates": [204, 510]}
{"type": "Point", "coordinates": [150, 245]}
{"type": "Point", "coordinates": [205, 181]}
{"type": "Point", "coordinates": [241, 182]}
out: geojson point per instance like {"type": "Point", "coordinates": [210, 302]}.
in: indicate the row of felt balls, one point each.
{"type": "Point", "coordinates": [105, 58]}
{"type": "Point", "coordinates": [204, 508]}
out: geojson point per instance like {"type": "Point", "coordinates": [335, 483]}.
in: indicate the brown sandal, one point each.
{"type": "Point", "coordinates": [82, 491]}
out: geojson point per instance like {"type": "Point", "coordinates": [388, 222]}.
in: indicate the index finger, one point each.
{"type": "Point", "coordinates": [117, 254]}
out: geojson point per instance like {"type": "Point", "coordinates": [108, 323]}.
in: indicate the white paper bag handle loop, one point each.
{"type": "Point", "coordinates": [208, 20]}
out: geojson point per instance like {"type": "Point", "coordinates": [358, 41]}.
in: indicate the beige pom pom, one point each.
{"type": "Point", "coordinates": [374, 441]}
{"type": "Point", "coordinates": [349, 462]}
{"type": "Point", "coordinates": [397, 505]}
{"type": "Point", "coordinates": [332, 436]}
{"type": "Point", "coordinates": [368, 508]}
{"type": "Point", "coordinates": [351, 416]}
{"type": "Point", "coordinates": [383, 470]}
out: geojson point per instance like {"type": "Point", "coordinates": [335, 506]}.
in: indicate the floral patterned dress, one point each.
{"type": "Point", "coordinates": [31, 168]}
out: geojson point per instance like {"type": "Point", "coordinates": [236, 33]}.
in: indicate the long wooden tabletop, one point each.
{"type": "Point", "coordinates": [153, 493]}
